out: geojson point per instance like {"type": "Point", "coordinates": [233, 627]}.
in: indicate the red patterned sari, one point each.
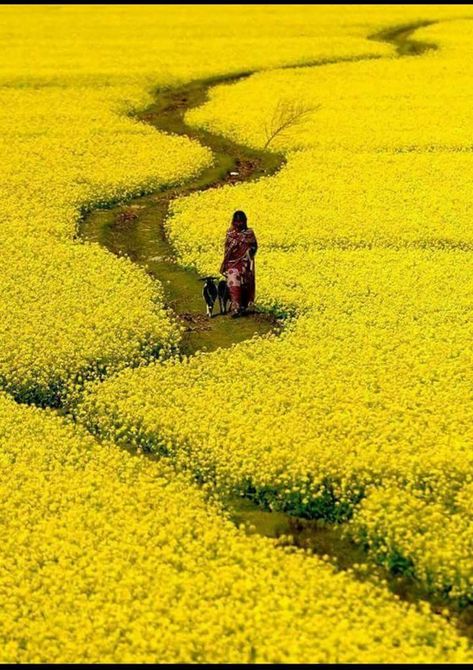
{"type": "Point", "coordinates": [239, 266]}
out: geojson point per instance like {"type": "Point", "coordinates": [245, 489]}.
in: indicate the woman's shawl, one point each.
{"type": "Point", "coordinates": [237, 245]}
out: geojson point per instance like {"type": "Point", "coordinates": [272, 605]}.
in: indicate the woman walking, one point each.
{"type": "Point", "coordinates": [238, 264]}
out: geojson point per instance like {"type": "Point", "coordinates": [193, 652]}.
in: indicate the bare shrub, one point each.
{"type": "Point", "coordinates": [288, 114]}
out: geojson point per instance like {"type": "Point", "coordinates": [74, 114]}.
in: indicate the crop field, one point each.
{"type": "Point", "coordinates": [291, 487]}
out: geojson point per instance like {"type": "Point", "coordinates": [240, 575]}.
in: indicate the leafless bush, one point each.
{"type": "Point", "coordinates": [288, 114]}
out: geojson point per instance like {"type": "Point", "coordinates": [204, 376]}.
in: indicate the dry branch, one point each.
{"type": "Point", "coordinates": [287, 114]}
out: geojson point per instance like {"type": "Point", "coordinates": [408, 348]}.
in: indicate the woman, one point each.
{"type": "Point", "coordinates": [238, 264]}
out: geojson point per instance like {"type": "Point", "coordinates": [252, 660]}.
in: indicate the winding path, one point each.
{"type": "Point", "coordinates": [137, 229]}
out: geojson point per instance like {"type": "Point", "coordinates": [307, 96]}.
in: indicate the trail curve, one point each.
{"type": "Point", "coordinates": [137, 227]}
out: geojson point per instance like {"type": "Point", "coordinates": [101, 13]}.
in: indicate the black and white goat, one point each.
{"type": "Point", "coordinates": [209, 293]}
{"type": "Point", "coordinates": [223, 296]}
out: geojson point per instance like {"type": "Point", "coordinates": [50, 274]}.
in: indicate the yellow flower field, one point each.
{"type": "Point", "coordinates": [69, 307]}
{"type": "Point", "coordinates": [359, 412]}
{"type": "Point", "coordinates": [373, 384]}
{"type": "Point", "coordinates": [67, 146]}
{"type": "Point", "coordinates": [138, 567]}
{"type": "Point", "coordinates": [429, 535]}
{"type": "Point", "coordinates": [401, 104]}
{"type": "Point", "coordinates": [345, 199]}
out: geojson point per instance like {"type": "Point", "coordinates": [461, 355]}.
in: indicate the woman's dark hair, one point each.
{"type": "Point", "coordinates": [239, 217]}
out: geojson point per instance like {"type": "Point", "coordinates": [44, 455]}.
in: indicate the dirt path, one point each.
{"type": "Point", "coordinates": [137, 228]}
